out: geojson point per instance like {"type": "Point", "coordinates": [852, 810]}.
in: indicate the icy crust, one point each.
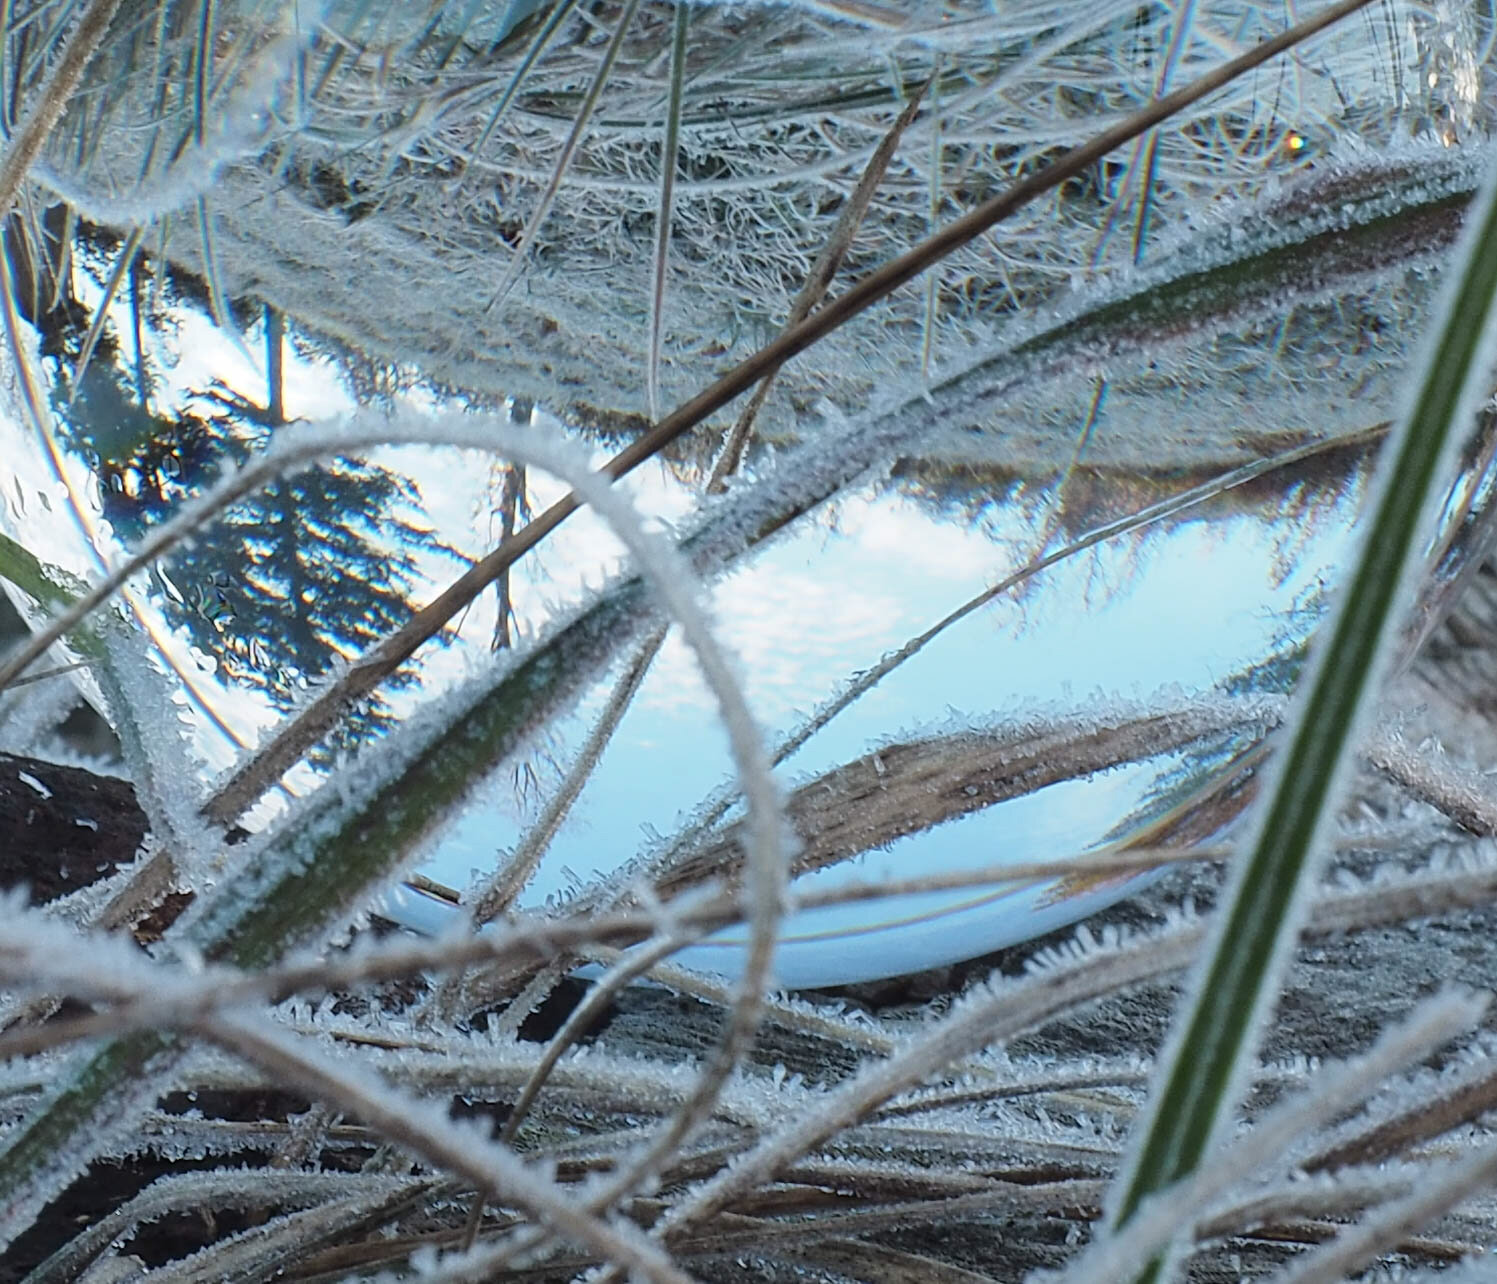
{"type": "Point", "coordinates": [392, 195]}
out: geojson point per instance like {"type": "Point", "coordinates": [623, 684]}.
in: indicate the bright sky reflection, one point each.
{"type": "Point", "coordinates": [1184, 606]}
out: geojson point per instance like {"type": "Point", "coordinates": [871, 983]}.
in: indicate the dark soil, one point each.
{"type": "Point", "coordinates": [61, 828]}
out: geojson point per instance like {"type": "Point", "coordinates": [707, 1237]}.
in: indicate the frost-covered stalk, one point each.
{"type": "Point", "coordinates": [1334, 1091]}
{"type": "Point", "coordinates": [670, 156]}
{"type": "Point", "coordinates": [1258, 922]}
{"type": "Point", "coordinates": [27, 142]}
{"type": "Point", "coordinates": [254, 919]}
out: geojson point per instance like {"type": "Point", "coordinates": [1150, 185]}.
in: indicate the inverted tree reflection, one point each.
{"type": "Point", "coordinates": [293, 579]}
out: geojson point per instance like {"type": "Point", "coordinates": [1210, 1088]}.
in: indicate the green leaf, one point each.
{"type": "Point", "coordinates": [49, 586]}
{"type": "Point", "coordinates": [1257, 924]}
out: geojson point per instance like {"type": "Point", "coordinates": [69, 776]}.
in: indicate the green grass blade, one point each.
{"type": "Point", "coordinates": [49, 586]}
{"type": "Point", "coordinates": [104, 1089]}
{"type": "Point", "coordinates": [1257, 924]}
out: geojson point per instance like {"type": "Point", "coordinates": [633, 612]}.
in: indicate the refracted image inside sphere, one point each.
{"type": "Point", "coordinates": [1004, 632]}
{"type": "Point", "coordinates": [1019, 568]}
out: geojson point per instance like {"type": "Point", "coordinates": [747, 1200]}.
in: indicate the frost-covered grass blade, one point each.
{"type": "Point", "coordinates": [1257, 924]}
{"type": "Point", "coordinates": [670, 156]}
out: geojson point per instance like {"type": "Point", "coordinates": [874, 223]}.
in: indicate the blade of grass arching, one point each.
{"type": "Point", "coordinates": [668, 156]}
{"type": "Point", "coordinates": [323, 863]}
{"type": "Point", "coordinates": [583, 117]}
{"type": "Point", "coordinates": [538, 46]}
{"type": "Point", "coordinates": [819, 280]}
{"type": "Point", "coordinates": [1259, 919]}
{"type": "Point", "coordinates": [101, 315]}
